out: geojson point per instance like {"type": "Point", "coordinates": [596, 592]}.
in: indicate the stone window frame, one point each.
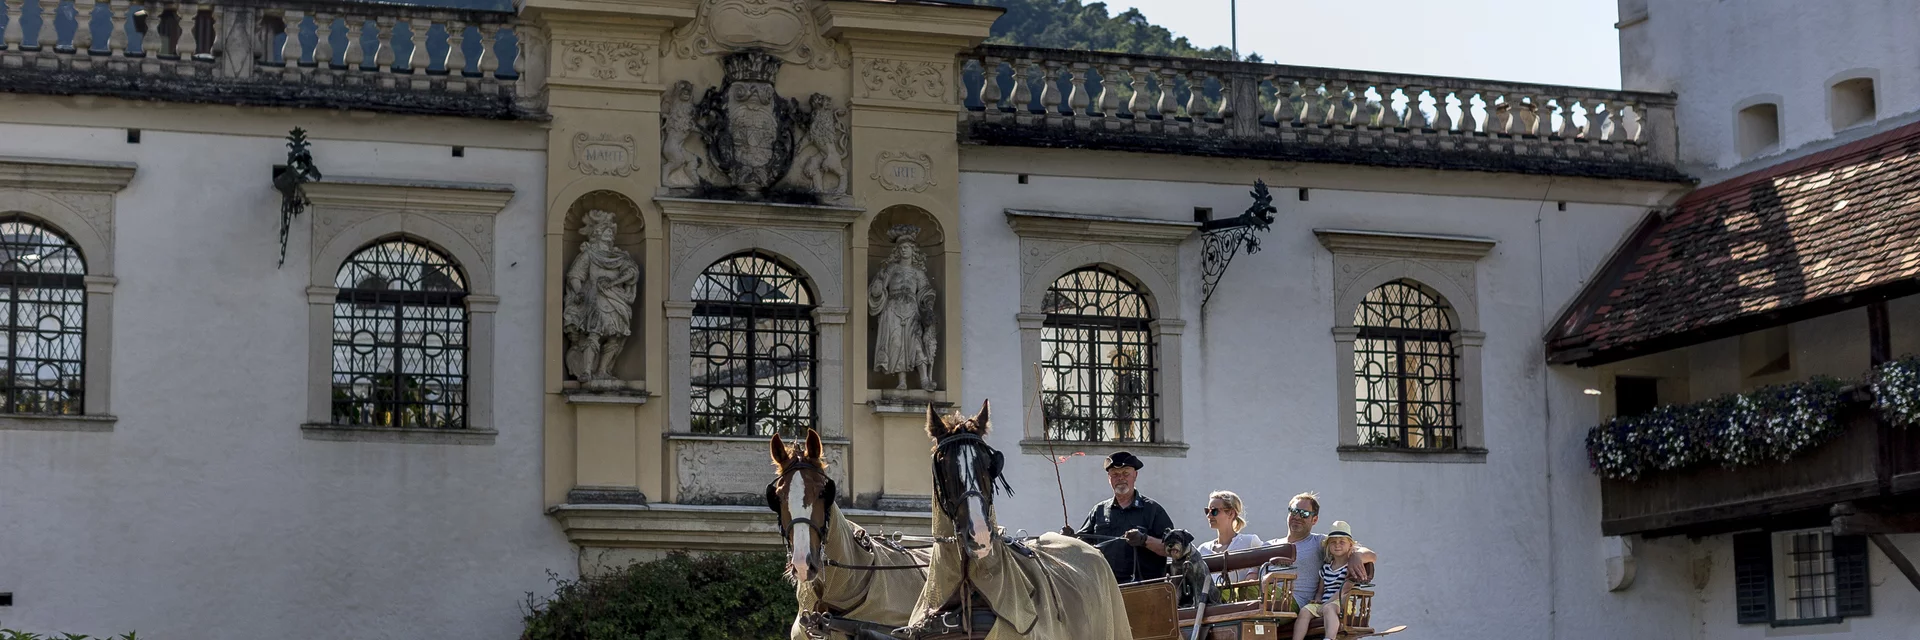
{"type": "Point", "coordinates": [76, 198]}
{"type": "Point", "coordinates": [1147, 251]}
{"type": "Point", "coordinates": [811, 240]}
{"type": "Point", "coordinates": [1446, 265]}
{"type": "Point", "coordinates": [456, 218]}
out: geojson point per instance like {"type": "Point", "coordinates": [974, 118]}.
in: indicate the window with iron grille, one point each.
{"type": "Point", "coordinates": [1405, 369]}
{"type": "Point", "coordinates": [753, 349]}
{"type": "Point", "coordinates": [1099, 366]}
{"type": "Point", "coordinates": [44, 280]}
{"type": "Point", "coordinates": [400, 338]}
{"type": "Point", "coordinates": [1802, 577]}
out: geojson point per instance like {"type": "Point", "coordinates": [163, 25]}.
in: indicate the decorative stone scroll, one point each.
{"type": "Point", "coordinates": [783, 28]}
{"type": "Point", "coordinates": [604, 60]}
{"type": "Point", "coordinates": [602, 154]}
{"type": "Point", "coordinates": [904, 79]}
{"type": "Point", "coordinates": [904, 171]}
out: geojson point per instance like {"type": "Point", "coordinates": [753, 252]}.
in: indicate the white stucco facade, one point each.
{"type": "Point", "coordinates": [204, 511]}
{"type": "Point", "coordinates": [1721, 57]}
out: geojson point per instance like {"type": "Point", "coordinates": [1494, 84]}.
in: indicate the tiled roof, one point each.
{"type": "Point", "coordinates": [1820, 234]}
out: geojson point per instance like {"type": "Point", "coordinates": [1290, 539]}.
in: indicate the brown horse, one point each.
{"type": "Point", "coordinates": [1052, 588]}
{"type": "Point", "coordinates": [837, 569]}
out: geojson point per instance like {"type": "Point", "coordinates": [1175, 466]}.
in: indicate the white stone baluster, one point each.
{"type": "Point", "coordinates": [1442, 118]}
{"type": "Point", "coordinates": [1469, 123]}
{"type": "Point", "coordinates": [82, 28]}
{"type": "Point", "coordinates": [1140, 103]}
{"type": "Point", "coordinates": [1499, 115]}
{"type": "Point", "coordinates": [1021, 100]}
{"type": "Point", "coordinates": [383, 40]}
{"type": "Point", "coordinates": [1077, 100]}
{"type": "Point", "coordinates": [1616, 121]}
{"type": "Point", "coordinates": [1544, 116]}
{"type": "Point", "coordinates": [356, 42]}
{"type": "Point", "coordinates": [1416, 117]}
{"type": "Point", "coordinates": [456, 57]}
{"type": "Point", "coordinates": [519, 61]}
{"type": "Point", "coordinates": [190, 45]}
{"type": "Point", "coordinates": [1568, 129]}
{"type": "Point", "coordinates": [1169, 106]}
{"type": "Point", "coordinates": [1284, 111]}
{"type": "Point", "coordinates": [489, 62]}
{"type": "Point", "coordinates": [991, 98]}
{"type": "Point", "coordinates": [15, 34]}
{"type": "Point", "coordinates": [1197, 107]}
{"type": "Point", "coordinates": [118, 11]}
{"type": "Point", "coordinates": [323, 43]}
{"type": "Point", "coordinates": [290, 49]}
{"type": "Point", "coordinates": [49, 36]}
{"type": "Point", "coordinates": [1110, 86]}
{"type": "Point", "coordinates": [1343, 103]}
{"type": "Point", "coordinates": [1050, 87]}
{"type": "Point", "coordinates": [417, 59]}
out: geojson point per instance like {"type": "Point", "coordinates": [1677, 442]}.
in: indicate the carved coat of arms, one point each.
{"type": "Point", "coordinates": [747, 127]}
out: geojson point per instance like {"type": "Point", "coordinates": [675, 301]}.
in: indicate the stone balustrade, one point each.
{"type": "Point", "coordinates": [1080, 99]}
{"type": "Point", "coordinates": [303, 53]}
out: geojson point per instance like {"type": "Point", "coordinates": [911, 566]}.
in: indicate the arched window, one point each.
{"type": "Point", "coordinates": [44, 280]}
{"type": "Point", "coordinates": [400, 338]}
{"type": "Point", "coordinates": [753, 349]}
{"type": "Point", "coordinates": [1405, 369]}
{"type": "Point", "coordinates": [1099, 366]}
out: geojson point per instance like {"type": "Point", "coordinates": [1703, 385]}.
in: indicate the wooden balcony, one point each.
{"type": "Point", "coordinates": [1870, 460]}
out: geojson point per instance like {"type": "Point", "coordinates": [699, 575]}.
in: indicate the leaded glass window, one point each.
{"type": "Point", "coordinates": [753, 349]}
{"type": "Point", "coordinates": [43, 279]}
{"type": "Point", "coordinates": [1405, 369]}
{"type": "Point", "coordinates": [400, 338]}
{"type": "Point", "coordinates": [1099, 366]}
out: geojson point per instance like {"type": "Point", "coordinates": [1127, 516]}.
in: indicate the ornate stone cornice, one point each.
{"type": "Point", "coordinates": [410, 195]}
{"type": "Point", "coordinates": [64, 175]}
{"type": "Point", "coordinates": [757, 214]}
{"type": "Point", "coordinates": [1404, 245]}
{"type": "Point", "coordinates": [1089, 227]}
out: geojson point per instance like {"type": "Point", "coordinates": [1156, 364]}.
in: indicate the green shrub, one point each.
{"type": "Point", "coordinates": [719, 596]}
{"type": "Point", "coordinates": [9, 634]}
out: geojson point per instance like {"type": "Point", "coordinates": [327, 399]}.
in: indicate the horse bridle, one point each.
{"type": "Point", "coordinates": [828, 494]}
{"type": "Point", "coordinates": [949, 504]}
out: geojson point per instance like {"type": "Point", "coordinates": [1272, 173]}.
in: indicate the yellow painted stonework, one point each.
{"type": "Point", "coordinates": [610, 68]}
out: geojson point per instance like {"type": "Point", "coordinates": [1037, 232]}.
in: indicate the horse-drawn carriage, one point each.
{"type": "Point", "coordinates": [970, 582]}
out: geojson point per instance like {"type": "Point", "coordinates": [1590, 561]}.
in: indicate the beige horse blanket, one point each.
{"type": "Point", "coordinates": [1065, 592]}
{"type": "Point", "coordinates": [884, 596]}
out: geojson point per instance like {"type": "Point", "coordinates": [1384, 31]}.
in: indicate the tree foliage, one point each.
{"type": "Point", "coordinates": [1068, 24]}
{"type": "Point", "coordinates": [717, 596]}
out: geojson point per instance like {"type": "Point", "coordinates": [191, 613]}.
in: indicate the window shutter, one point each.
{"type": "Point", "coordinates": [1850, 576]}
{"type": "Point", "coordinates": [1753, 577]}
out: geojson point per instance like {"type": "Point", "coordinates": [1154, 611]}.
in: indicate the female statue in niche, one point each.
{"type": "Point", "coordinates": [901, 295]}
{"type": "Point", "coordinates": [598, 312]}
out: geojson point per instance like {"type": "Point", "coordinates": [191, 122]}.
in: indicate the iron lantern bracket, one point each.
{"type": "Point", "coordinates": [1224, 238]}
{"type": "Point", "coordinates": [288, 178]}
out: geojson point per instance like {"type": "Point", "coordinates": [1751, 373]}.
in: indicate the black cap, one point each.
{"type": "Point", "coordinates": [1124, 459]}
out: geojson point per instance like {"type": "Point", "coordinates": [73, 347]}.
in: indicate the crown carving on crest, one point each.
{"type": "Point", "coordinates": [752, 65]}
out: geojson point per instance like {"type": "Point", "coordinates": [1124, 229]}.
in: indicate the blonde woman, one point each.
{"type": "Point", "coordinates": [1226, 515]}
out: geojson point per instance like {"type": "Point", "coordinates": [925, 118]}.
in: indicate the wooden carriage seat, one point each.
{"type": "Point", "coordinates": [1360, 621]}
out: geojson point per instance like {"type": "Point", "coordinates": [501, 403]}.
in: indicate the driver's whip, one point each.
{"type": "Point", "coordinates": [1039, 405]}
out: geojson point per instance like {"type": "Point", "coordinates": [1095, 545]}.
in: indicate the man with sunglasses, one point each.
{"type": "Point", "coordinates": [1128, 527]}
{"type": "Point", "coordinates": [1302, 514]}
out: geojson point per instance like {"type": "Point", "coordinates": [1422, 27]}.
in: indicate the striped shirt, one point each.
{"type": "Point", "coordinates": [1331, 580]}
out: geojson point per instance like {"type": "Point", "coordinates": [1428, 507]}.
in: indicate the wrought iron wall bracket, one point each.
{"type": "Point", "coordinates": [1224, 238]}
{"type": "Point", "coordinates": [288, 178]}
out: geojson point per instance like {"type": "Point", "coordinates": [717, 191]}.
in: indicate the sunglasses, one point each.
{"type": "Point", "coordinates": [1302, 513]}
{"type": "Point", "coordinates": [1213, 511]}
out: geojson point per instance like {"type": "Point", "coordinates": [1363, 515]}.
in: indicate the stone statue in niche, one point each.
{"type": "Point", "coordinates": [826, 140]}
{"type": "Point", "coordinates": [681, 166]}
{"type": "Point", "coordinates": [747, 127]}
{"type": "Point", "coordinates": [901, 298]}
{"type": "Point", "coordinates": [597, 315]}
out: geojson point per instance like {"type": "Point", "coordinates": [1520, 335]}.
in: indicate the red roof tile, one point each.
{"type": "Point", "coordinates": [1809, 236]}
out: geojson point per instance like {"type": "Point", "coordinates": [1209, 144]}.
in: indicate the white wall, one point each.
{"type": "Point", "coordinates": [1717, 54]}
{"type": "Point", "coordinates": [205, 513]}
{"type": "Point", "coordinates": [1468, 550]}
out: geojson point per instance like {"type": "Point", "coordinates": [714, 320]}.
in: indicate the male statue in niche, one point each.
{"type": "Point", "coordinates": [598, 314]}
{"type": "Point", "coordinates": [901, 296]}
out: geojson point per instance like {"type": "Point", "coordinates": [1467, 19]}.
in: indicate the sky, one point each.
{"type": "Point", "coordinates": [1564, 42]}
